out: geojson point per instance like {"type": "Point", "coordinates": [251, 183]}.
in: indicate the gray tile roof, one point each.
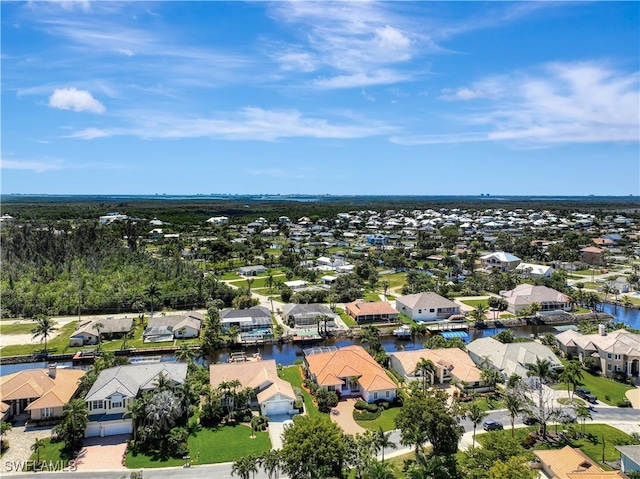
{"type": "Point", "coordinates": [254, 312]}
{"type": "Point", "coordinates": [129, 379]}
{"type": "Point", "coordinates": [426, 300]}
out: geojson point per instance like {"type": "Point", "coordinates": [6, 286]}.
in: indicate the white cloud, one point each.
{"type": "Point", "coordinates": [76, 100]}
{"type": "Point", "coordinates": [248, 124]}
{"type": "Point", "coordinates": [36, 166]}
{"type": "Point", "coordinates": [584, 102]}
{"type": "Point", "coordinates": [382, 77]}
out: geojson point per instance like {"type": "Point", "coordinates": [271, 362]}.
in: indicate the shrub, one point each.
{"type": "Point", "coordinates": [624, 403]}
{"type": "Point", "coordinates": [620, 376]}
{"type": "Point", "coordinates": [366, 415]}
{"type": "Point", "coordinates": [259, 423]}
{"type": "Point", "coordinates": [326, 400]}
{"type": "Point", "coordinates": [177, 444]}
{"type": "Point", "coordinates": [360, 405]}
{"type": "Point", "coordinates": [382, 404]}
{"type": "Point", "coordinates": [529, 440]}
{"type": "Point", "coordinates": [371, 408]}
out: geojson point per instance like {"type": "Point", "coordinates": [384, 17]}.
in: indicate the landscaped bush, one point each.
{"type": "Point", "coordinates": [382, 404]}
{"type": "Point", "coordinates": [326, 400]}
{"type": "Point", "coordinates": [624, 403]}
{"type": "Point", "coordinates": [367, 415]}
{"type": "Point", "coordinates": [177, 442]}
{"type": "Point", "coordinates": [620, 376]}
{"type": "Point", "coordinates": [259, 423]}
{"type": "Point", "coordinates": [360, 405]}
{"type": "Point", "coordinates": [372, 408]}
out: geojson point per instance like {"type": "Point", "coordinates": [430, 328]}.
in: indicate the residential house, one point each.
{"type": "Point", "coordinates": [427, 307]}
{"type": "Point", "coordinates": [617, 351]}
{"type": "Point", "coordinates": [591, 255]}
{"type": "Point", "coordinates": [39, 393]}
{"type": "Point", "coordinates": [378, 239]}
{"type": "Point", "coordinates": [168, 328]}
{"type": "Point", "coordinates": [350, 371]}
{"type": "Point", "coordinates": [250, 319]}
{"type": "Point", "coordinates": [450, 363]}
{"type": "Point", "coordinates": [251, 270]}
{"type": "Point", "coordinates": [572, 463]}
{"type": "Point", "coordinates": [304, 315]}
{"type": "Point", "coordinates": [274, 396]}
{"type": "Point", "coordinates": [500, 260]}
{"type": "Point", "coordinates": [524, 295]}
{"type": "Point", "coordinates": [88, 330]}
{"type": "Point", "coordinates": [296, 284]}
{"type": "Point", "coordinates": [629, 458]}
{"type": "Point", "coordinates": [115, 390]}
{"type": "Point", "coordinates": [363, 311]}
{"type": "Point", "coordinates": [218, 220]}
{"type": "Point", "coordinates": [511, 358]}
{"type": "Point", "coordinates": [534, 271]}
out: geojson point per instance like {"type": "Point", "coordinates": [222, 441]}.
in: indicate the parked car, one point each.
{"type": "Point", "coordinates": [586, 395]}
{"type": "Point", "coordinates": [530, 421]}
{"type": "Point", "coordinates": [490, 425]}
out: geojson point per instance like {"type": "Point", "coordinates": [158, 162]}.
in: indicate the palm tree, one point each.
{"type": "Point", "coordinates": [125, 340]}
{"type": "Point", "coordinates": [379, 470]}
{"type": "Point", "coordinates": [74, 421]}
{"type": "Point", "coordinates": [44, 328]}
{"type": "Point", "coordinates": [382, 440]}
{"type": "Point", "coordinates": [185, 353]}
{"type": "Point", "coordinates": [153, 293]}
{"type": "Point", "coordinates": [514, 406]}
{"type": "Point", "coordinates": [245, 466]}
{"type": "Point", "coordinates": [270, 462]}
{"type": "Point", "coordinates": [572, 377]}
{"type": "Point", "coordinates": [418, 330]}
{"type": "Point", "coordinates": [385, 288]}
{"type": "Point", "coordinates": [36, 446]}
{"type": "Point", "coordinates": [426, 367]}
{"type": "Point", "coordinates": [475, 415]}
{"type": "Point", "coordinates": [163, 410]}
{"type": "Point", "coordinates": [269, 282]}
{"type": "Point", "coordinates": [543, 371]}
{"type": "Point", "coordinates": [98, 326]}
{"type": "Point", "coordinates": [162, 382]}
{"type": "Point", "coordinates": [491, 378]}
{"type": "Point", "coordinates": [479, 314]}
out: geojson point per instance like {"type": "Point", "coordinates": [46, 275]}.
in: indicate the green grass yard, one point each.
{"type": "Point", "coordinates": [211, 446]}
{"type": "Point", "coordinates": [51, 452]}
{"type": "Point", "coordinates": [57, 345]}
{"type": "Point", "coordinates": [348, 320]}
{"type": "Point", "coordinates": [474, 303]}
{"type": "Point", "coordinates": [387, 420]}
{"type": "Point", "coordinates": [19, 328]}
{"type": "Point", "coordinates": [293, 375]}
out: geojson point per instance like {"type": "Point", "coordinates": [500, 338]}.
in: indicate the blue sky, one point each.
{"type": "Point", "coordinates": [424, 98]}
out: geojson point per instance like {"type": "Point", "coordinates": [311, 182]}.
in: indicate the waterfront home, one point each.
{"type": "Point", "coordinates": [250, 319]}
{"type": "Point", "coordinates": [524, 295]}
{"type": "Point", "coordinates": [617, 351]}
{"type": "Point", "coordinates": [511, 358]}
{"type": "Point", "coordinates": [427, 307]}
{"type": "Point", "coordinates": [115, 390]}
{"type": "Point", "coordinates": [534, 271]}
{"type": "Point", "coordinates": [38, 393]}
{"type": "Point", "coordinates": [88, 331]}
{"type": "Point", "coordinates": [500, 260]}
{"type": "Point", "coordinates": [305, 315]}
{"type": "Point", "coordinates": [273, 396]}
{"type": "Point", "coordinates": [363, 311]}
{"type": "Point", "coordinates": [350, 371]}
{"type": "Point", "coordinates": [168, 328]}
{"type": "Point", "coordinates": [449, 363]}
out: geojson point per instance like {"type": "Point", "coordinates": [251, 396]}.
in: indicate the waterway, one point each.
{"type": "Point", "coordinates": [287, 353]}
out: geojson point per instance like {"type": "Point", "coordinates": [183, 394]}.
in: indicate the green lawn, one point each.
{"type": "Point", "coordinates": [489, 406]}
{"type": "Point", "coordinates": [387, 420]}
{"type": "Point", "coordinates": [20, 328]}
{"type": "Point", "coordinates": [51, 452]}
{"type": "Point", "coordinates": [603, 388]}
{"type": "Point", "coordinates": [348, 320]}
{"type": "Point", "coordinates": [293, 375]}
{"type": "Point", "coordinates": [57, 345]}
{"type": "Point", "coordinates": [210, 446]}
{"type": "Point", "coordinates": [395, 280]}
{"type": "Point", "coordinates": [474, 303]}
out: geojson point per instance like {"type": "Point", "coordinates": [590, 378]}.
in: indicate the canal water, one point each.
{"type": "Point", "coordinates": [287, 353]}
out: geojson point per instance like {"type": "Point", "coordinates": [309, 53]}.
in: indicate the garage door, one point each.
{"type": "Point", "coordinates": [117, 428]}
{"type": "Point", "coordinates": [274, 408]}
{"type": "Point", "coordinates": [93, 430]}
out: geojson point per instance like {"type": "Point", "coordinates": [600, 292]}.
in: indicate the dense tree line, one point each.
{"type": "Point", "coordinates": [90, 268]}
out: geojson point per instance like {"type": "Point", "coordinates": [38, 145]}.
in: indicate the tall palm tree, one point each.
{"type": "Point", "coordinates": [270, 462]}
{"type": "Point", "coordinates": [491, 378]}
{"type": "Point", "coordinates": [74, 421]}
{"type": "Point", "coordinates": [572, 377]}
{"type": "Point", "coordinates": [379, 470]}
{"type": "Point", "coordinates": [163, 410]}
{"type": "Point", "coordinates": [98, 326]}
{"type": "Point", "coordinates": [36, 446]}
{"type": "Point", "coordinates": [475, 414]}
{"type": "Point", "coordinates": [426, 368]}
{"type": "Point", "coordinates": [382, 440]}
{"type": "Point", "coordinates": [514, 406]}
{"type": "Point", "coordinates": [245, 466]}
{"type": "Point", "coordinates": [153, 293]}
{"type": "Point", "coordinates": [44, 328]}
{"type": "Point", "coordinates": [418, 330]}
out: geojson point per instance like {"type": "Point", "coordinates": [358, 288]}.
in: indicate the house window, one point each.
{"type": "Point", "coordinates": [47, 412]}
{"type": "Point", "coordinates": [608, 355]}
{"type": "Point", "coordinates": [618, 368]}
{"type": "Point", "coordinates": [387, 393]}
{"type": "Point", "coordinates": [618, 357]}
{"type": "Point", "coordinates": [375, 395]}
{"type": "Point", "coordinates": [116, 404]}
{"type": "Point", "coordinates": [97, 404]}
{"type": "Point", "coordinates": [431, 310]}
{"type": "Point", "coordinates": [419, 311]}
{"type": "Point", "coordinates": [608, 367]}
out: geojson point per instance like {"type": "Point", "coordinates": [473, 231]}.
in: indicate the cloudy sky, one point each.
{"type": "Point", "coordinates": [355, 97]}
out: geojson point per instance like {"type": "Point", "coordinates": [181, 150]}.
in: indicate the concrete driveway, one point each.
{"type": "Point", "coordinates": [276, 428]}
{"type": "Point", "coordinates": [342, 415]}
{"type": "Point", "coordinates": [103, 453]}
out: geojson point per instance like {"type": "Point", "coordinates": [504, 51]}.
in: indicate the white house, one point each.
{"type": "Point", "coordinates": [427, 307]}
{"type": "Point", "coordinates": [534, 271]}
{"type": "Point", "coordinates": [500, 260]}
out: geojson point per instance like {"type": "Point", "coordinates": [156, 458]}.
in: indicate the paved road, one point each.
{"type": "Point", "coordinates": [625, 419]}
